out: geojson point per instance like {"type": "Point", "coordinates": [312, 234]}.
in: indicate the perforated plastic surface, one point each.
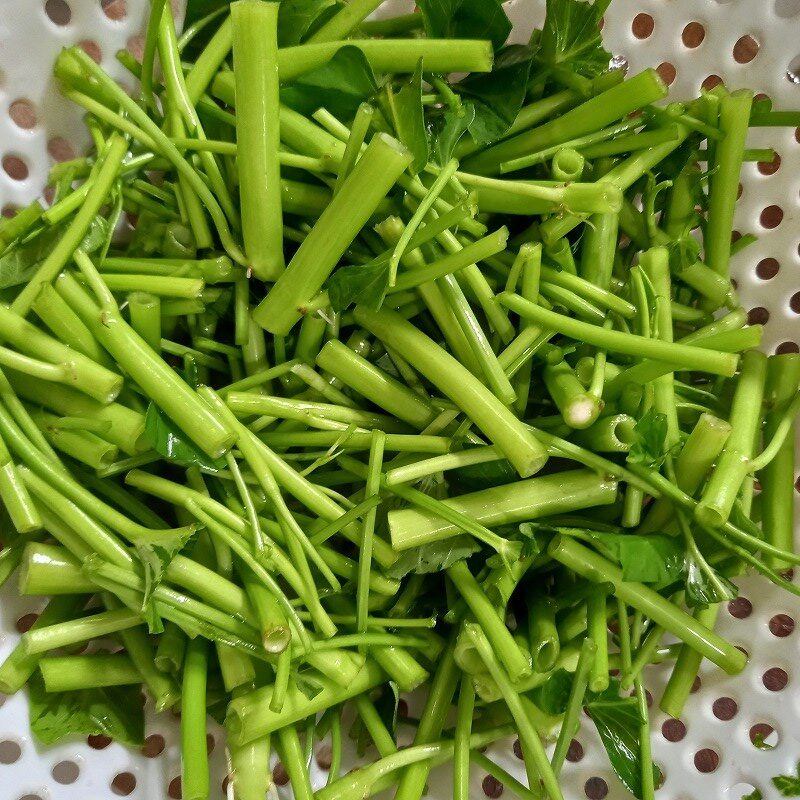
{"type": "Point", "coordinates": [737, 732]}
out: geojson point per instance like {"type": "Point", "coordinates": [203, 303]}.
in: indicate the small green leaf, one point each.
{"type": "Point", "coordinates": [649, 447]}
{"type": "Point", "coordinates": [466, 19]}
{"type": "Point", "coordinates": [571, 36]}
{"type": "Point", "coordinates": [297, 19]}
{"type": "Point", "coordinates": [364, 285]}
{"type": "Point", "coordinates": [652, 558]}
{"type": "Point", "coordinates": [553, 695]}
{"type": "Point", "coordinates": [754, 795]}
{"type": "Point", "coordinates": [433, 557]}
{"type": "Point", "coordinates": [788, 785]}
{"type": "Point", "coordinates": [498, 95]}
{"type": "Point", "coordinates": [619, 723]}
{"type": "Point", "coordinates": [339, 86]}
{"type": "Point", "coordinates": [156, 554]}
{"type": "Point", "coordinates": [409, 119]}
{"type": "Point", "coordinates": [171, 442]}
{"type": "Point", "coordinates": [386, 704]}
{"type": "Point", "coordinates": [449, 129]}
{"type": "Point", "coordinates": [115, 712]}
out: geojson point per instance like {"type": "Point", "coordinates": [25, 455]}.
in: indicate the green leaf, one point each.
{"type": "Point", "coordinates": [156, 554]}
{"type": "Point", "coordinates": [409, 119]}
{"type": "Point", "coordinates": [618, 722]}
{"type": "Point", "coordinates": [483, 476]}
{"type": "Point", "coordinates": [449, 129]}
{"type": "Point", "coordinates": [466, 19]}
{"type": "Point", "coordinates": [433, 557]}
{"type": "Point", "coordinates": [571, 36]}
{"type": "Point", "coordinates": [788, 785]}
{"type": "Point", "coordinates": [364, 285]}
{"type": "Point", "coordinates": [339, 86]}
{"type": "Point", "coordinates": [171, 442]}
{"type": "Point", "coordinates": [754, 795]}
{"type": "Point", "coordinates": [553, 695]}
{"type": "Point", "coordinates": [197, 9]}
{"type": "Point", "coordinates": [649, 447]}
{"type": "Point", "coordinates": [297, 19]}
{"type": "Point", "coordinates": [386, 704]}
{"type": "Point", "coordinates": [652, 558]}
{"type": "Point", "coordinates": [498, 95]}
{"type": "Point", "coordinates": [115, 712]}
{"type": "Point", "coordinates": [704, 589]}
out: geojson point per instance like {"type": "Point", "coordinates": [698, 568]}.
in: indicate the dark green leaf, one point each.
{"type": "Point", "coordinates": [339, 86]}
{"type": "Point", "coordinates": [362, 285]}
{"type": "Point", "coordinates": [571, 36]}
{"type": "Point", "coordinates": [499, 94]}
{"type": "Point", "coordinates": [197, 9]}
{"type": "Point", "coordinates": [552, 696]}
{"type": "Point", "coordinates": [156, 554]}
{"type": "Point", "coordinates": [482, 476]}
{"type": "Point", "coordinates": [618, 722]}
{"type": "Point", "coordinates": [651, 558]}
{"type": "Point", "coordinates": [409, 119]}
{"type": "Point", "coordinates": [466, 19]}
{"type": "Point", "coordinates": [299, 18]}
{"type": "Point", "coordinates": [115, 712]}
{"type": "Point", "coordinates": [450, 128]}
{"type": "Point", "coordinates": [649, 447]}
{"type": "Point", "coordinates": [171, 442]}
{"type": "Point", "coordinates": [788, 785]}
{"type": "Point", "coordinates": [386, 704]}
{"type": "Point", "coordinates": [703, 589]}
{"type": "Point", "coordinates": [433, 557]}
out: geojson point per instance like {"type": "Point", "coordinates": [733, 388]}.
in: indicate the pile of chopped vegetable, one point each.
{"type": "Point", "coordinates": [328, 377]}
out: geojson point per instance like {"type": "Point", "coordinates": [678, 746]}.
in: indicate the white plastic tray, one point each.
{"type": "Point", "coordinates": [725, 713]}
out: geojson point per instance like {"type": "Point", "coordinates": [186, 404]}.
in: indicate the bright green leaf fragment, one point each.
{"type": "Point", "coordinates": [409, 119]}
{"type": "Point", "coordinates": [788, 785]}
{"type": "Point", "coordinates": [571, 37]}
{"type": "Point", "coordinates": [705, 586]}
{"type": "Point", "coordinates": [433, 557]}
{"type": "Point", "coordinates": [169, 441]}
{"type": "Point", "coordinates": [649, 448]}
{"type": "Point", "coordinates": [466, 19]}
{"type": "Point", "coordinates": [362, 285]}
{"type": "Point", "coordinates": [646, 559]}
{"type": "Point", "coordinates": [298, 19]}
{"type": "Point", "coordinates": [115, 712]}
{"type": "Point", "coordinates": [553, 695]}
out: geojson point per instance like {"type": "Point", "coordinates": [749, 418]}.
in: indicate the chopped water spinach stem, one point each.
{"type": "Point", "coordinates": [392, 386]}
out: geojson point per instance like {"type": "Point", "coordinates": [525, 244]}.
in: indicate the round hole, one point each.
{"type": "Point", "coordinates": [769, 167]}
{"type": "Point", "coordinates": [59, 149]}
{"type": "Point", "coordinates": [123, 784]}
{"type": "Point", "coordinates": [10, 752]}
{"type": "Point", "coordinates": [66, 772]}
{"type": "Point", "coordinates": [324, 757]}
{"type": "Point", "coordinates": [764, 736]}
{"type": "Point", "coordinates": [794, 302]}
{"type": "Point", "coordinates": [210, 743]}
{"type": "Point", "coordinates": [710, 82]}
{"type": "Point", "coordinates": [49, 193]}
{"type": "Point", "coordinates": [226, 782]}
{"type": "Point", "coordinates": [642, 26]}
{"type": "Point", "coordinates": [517, 748]}
{"type": "Point", "coordinates": [492, 787]}
{"type": "Point", "coordinates": [787, 575]}
{"type": "Point", "coordinates": [23, 114]}
{"type": "Point", "coordinates": [595, 788]}
{"type": "Point", "coordinates": [787, 347]}
{"type": "Point", "coordinates": [706, 760]}
{"type": "Point", "coordinates": [25, 622]}
{"type": "Point", "coordinates": [725, 708]}
{"type": "Point", "coordinates": [667, 72]}
{"type": "Point", "coordinates": [174, 789]}
{"type": "Point", "coordinates": [775, 679]}
{"type": "Point", "coordinates": [574, 751]}
{"type": "Point", "coordinates": [782, 625]}
{"type": "Point", "coordinates": [92, 49]}
{"type": "Point", "coordinates": [153, 746]}
{"type": "Point", "coordinates": [98, 742]}
{"type": "Point", "coordinates": [30, 797]}
{"type": "Point", "coordinates": [114, 9]}
{"type": "Point", "coordinates": [8, 211]}
{"type": "Point", "coordinates": [771, 217]}
{"type": "Point", "coordinates": [745, 50]}
{"type": "Point", "coordinates": [741, 608]}
{"type": "Point", "coordinates": [673, 730]}
{"type": "Point", "coordinates": [402, 708]}
{"type": "Point", "coordinates": [135, 46]}
{"type": "Point", "coordinates": [279, 775]}
{"type": "Point", "coordinates": [693, 35]}
{"type": "Point", "coordinates": [793, 71]}
{"type": "Point", "coordinates": [58, 12]}
{"type": "Point", "coordinates": [696, 685]}
{"type": "Point", "coordinates": [758, 316]}
{"type": "Point", "coordinates": [15, 168]}
{"type": "Point", "coordinates": [767, 268]}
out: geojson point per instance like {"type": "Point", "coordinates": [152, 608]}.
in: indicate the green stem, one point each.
{"type": "Point", "coordinates": [73, 673]}
{"type": "Point", "coordinates": [194, 753]}
{"type": "Point", "coordinates": [463, 730]}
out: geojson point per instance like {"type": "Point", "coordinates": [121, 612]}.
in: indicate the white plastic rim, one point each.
{"type": "Point", "coordinates": [711, 753]}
